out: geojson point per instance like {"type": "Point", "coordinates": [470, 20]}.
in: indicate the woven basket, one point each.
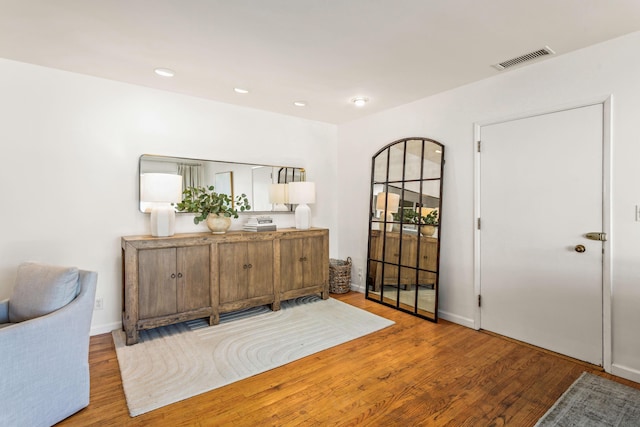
{"type": "Point", "coordinates": [339, 276]}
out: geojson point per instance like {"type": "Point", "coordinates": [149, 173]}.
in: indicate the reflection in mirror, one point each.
{"type": "Point", "coordinates": [404, 232]}
{"type": "Point", "coordinates": [223, 183]}
{"type": "Point", "coordinates": [396, 161]}
{"type": "Point", "coordinates": [227, 177]}
{"type": "Point", "coordinates": [427, 294]}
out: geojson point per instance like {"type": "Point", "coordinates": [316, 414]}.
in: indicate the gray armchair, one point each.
{"type": "Point", "coordinates": [44, 345]}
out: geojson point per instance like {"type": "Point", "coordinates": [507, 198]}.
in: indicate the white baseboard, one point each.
{"type": "Point", "coordinates": [625, 372]}
{"type": "Point", "coordinates": [454, 318]}
{"type": "Point", "coordinates": [103, 329]}
{"type": "Point", "coordinates": [357, 288]}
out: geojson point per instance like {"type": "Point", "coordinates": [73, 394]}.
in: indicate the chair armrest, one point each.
{"type": "Point", "coordinates": [44, 363]}
{"type": "Point", "coordinates": [4, 311]}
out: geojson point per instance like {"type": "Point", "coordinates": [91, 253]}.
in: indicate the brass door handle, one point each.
{"type": "Point", "coordinates": [580, 248]}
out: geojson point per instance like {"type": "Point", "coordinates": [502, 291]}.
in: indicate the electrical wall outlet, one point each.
{"type": "Point", "coordinates": [99, 305]}
{"type": "Point", "coordinates": [360, 276]}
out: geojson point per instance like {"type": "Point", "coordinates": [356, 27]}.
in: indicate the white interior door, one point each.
{"type": "Point", "coordinates": [541, 191]}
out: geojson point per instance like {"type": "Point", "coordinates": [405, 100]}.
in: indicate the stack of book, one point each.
{"type": "Point", "coordinates": [260, 223]}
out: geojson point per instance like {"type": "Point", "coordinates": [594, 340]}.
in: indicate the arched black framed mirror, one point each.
{"type": "Point", "coordinates": [405, 215]}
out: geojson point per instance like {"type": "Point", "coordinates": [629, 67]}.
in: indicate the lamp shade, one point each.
{"type": "Point", "coordinates": [278, 196]}
{"type": "Point", "coordinates": [302, 192]}
{"type": "Point", "coordinates": [388, 202]}
{"type": "Point", "coordinates": [161, 187]}
{"type": "Point", "coordinates": [278, 193]}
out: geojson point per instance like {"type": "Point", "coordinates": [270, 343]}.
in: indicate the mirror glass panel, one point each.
{"type": "Point", "coordinates": [396, 159]}
{"type": "Point", "coordinates": [413, 163]}
{"type": "Point", "coordinates": [404, 232]}
{"type": "Point", "coordinates": [227, 177]}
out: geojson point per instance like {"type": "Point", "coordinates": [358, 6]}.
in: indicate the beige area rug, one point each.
{"type": "Point", "coordinates": [175, 362]}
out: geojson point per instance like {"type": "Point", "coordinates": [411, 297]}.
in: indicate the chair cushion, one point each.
{"type": "Point", "coordinates": [41, 289]}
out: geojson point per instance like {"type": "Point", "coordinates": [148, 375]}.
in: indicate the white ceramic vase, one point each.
{"type": "Point", "coordinates": [218, 224]}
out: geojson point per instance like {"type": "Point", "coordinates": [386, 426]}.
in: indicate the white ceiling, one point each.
{"type": "Point", "coordinates": [324, 52]}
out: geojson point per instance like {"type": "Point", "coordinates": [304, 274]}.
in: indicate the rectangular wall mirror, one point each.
{"type": "Point", "coordinates": [231, 178]}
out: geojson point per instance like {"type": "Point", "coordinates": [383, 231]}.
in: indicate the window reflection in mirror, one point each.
{"type": "Point", "coordinates": [231, 178]}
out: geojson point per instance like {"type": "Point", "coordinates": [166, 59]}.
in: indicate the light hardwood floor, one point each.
{"type": "Point", "coordinates": [414, 373]}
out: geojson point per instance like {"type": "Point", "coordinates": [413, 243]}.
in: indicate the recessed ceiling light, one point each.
{"type": "Point", "coordinates": [165, 72]}
{"type": "Point", "coordinates": [240, 90]}
{"type": "Point", "coordinates": [300, 103]}
{"type": "Point", "coordinates": [360, 101]}
{"type": "Point", "coordinates": [439, 151]}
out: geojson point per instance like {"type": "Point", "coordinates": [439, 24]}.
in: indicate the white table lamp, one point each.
{"type": "Point", "coordinates": [278, 196]}
{"type": "Point", "coordinates": [388, 203]}
{"type": "Point", "coordinates": [302, 193]}
{"type": "Point", "coordinates": [161, 189]}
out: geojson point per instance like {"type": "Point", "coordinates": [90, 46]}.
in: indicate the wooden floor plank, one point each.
{"type": "Point", "coordinates": [412, 373]}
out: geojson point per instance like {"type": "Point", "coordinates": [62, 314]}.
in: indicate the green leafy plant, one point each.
{"type": "Point", "coordinates": [204, 201]}
{"type": "Point", "coordinates": [430, 219]}
{"type": "Point", "coordinates": [410, 216]}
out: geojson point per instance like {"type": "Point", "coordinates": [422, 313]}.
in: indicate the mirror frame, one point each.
{"type": "Point", "coordinates": [285, 174]}
{"type": "Point", "coordinates": [393, 228]}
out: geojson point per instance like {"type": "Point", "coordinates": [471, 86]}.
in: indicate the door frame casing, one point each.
{"type": "Point", "coordinates": [606, 102]}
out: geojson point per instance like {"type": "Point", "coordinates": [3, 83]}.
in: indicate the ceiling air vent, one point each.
{"type": "Point", "coordinates": [524, 58]}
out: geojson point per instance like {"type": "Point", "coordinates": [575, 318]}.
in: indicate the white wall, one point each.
{"type": "Point", "coordinates": [70, 144]}
{"type": "Point", "coordinates": [609, 68]}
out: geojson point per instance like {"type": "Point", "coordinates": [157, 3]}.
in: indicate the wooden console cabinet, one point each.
{"type": "Point", "coordinates": [168, 280]}
{"type": "Point", "coordinates": [401, 253]}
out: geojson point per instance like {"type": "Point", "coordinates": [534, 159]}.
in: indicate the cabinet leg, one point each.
{"type": "Point", "coordinates": [214, 319]}
{"type": "Point", "coordinates": [325, 294]}
{"type": "Point", "coordinates": [275, 306]}
{"type": "Point", "coordinates": [132, 336]}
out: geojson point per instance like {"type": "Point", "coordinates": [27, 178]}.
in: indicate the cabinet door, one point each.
{"type": "Point", "coordinates": [157, 281]}
{"type": "Point", "coordinates": [291, 264]}
{"type": "Point", "coordinates": [428, 254]}
{"type": "Point", "coordinates": [409, 251]}
{"type": "Point", "coordinates": [245, 270]}
{"type": "Point", "coordinates": [194, 289]}
{"type": "Point", "coordinates": [302, 262]}
{"type": "Point", "coordinates": [392, 257]}
{"type": "Point", "coordinates": [314, 263]}
{"type": "Point", "coordinates": [409, 261]}
{"type": "Point", "coordinates": [232, 271]}
{"type": "Point", "coordinates": [376, 246]}
{"type": "Point", "coordinates": [260, 271]}
{"type": "Point", "coordinates": [428, 260]}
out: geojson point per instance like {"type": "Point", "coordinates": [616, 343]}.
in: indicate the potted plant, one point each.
{"type": "Point", "coordinates": [216, 209]}
{"type": "Point", "coordinates": [428, 223]}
